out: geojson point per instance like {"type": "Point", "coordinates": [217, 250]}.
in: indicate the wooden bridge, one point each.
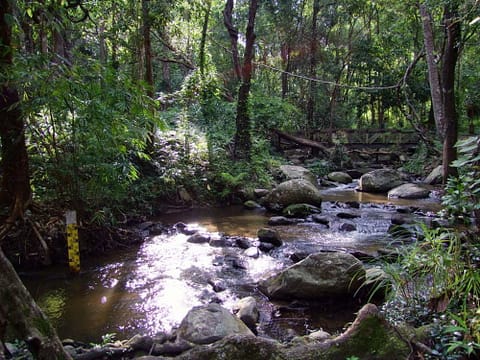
{"type": "Point", "coordinates": [376, 141]}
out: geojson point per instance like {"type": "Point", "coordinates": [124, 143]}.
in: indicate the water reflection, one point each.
{"type": "Point", "coordinates": [150, 289]}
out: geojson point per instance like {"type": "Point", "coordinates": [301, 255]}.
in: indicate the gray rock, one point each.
{"type": "Point", "coordinates": [266, 247]}
{"type": "Point", "coordinates": [246, 310]}
{"type": "Point", "coordinates": [347, 215]}
{"type": "Point", "coordinates": [409, 191]}
{"type": "Point", "coordinates": [270, 236]}
{"type": "Point", "coordinates": [355, 341]}
{"type": "Point", "coordinates": [243, 243]}
{"type": "Point", "coordinates": [259, 193]}
{"type": "Point", "coordinates": [217, 285]}
{"type": "Point", "coordinates": [199, 238]}
{"type": "Point", "coordinates": [281, 220]}
{"type": "Point", "coordinates": [296, 191]}
{"type": "Point", "coordinates": [400, 219]}
{"type": "Point", "coordinates": [70, 350]}
{"type": "Point", "coordinates": [290, 172]}
{"type": "Point", "coordinates": [435, 176]}
{"type": "Point", "coordinates": [140, 342]}
{"type": "Point", "coordinates": [210, 323]}
{"type": "Point", "coordinates": [252, 252]}
{"type": "Point", "coordinates": [381, 180]}
{"type": "Point", "coordinates": [251, 205]}
{"type": "Point", "coordinates": [220, 241]}
{"type": "Point", "coordinates": [340, 177]}
{"type": "Point", "coordinates": [347, 226]}
{"type": "Point", "coordinates": [319, 335]}
{"type": "Point", "coordinates": [171, 348]}
{"type": "Point", "coordinates": [322, 219]}
{"type": "Point", "coordinates": [319, 276]}
{"type": "Point", "coordinates": [300, 210]}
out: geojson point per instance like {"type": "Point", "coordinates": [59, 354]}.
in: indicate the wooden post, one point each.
{"type": "Point", "coordinates": [72, 241]}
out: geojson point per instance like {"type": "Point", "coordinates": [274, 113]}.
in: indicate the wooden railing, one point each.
{"type": "Point", "coordinates": [387, 137]}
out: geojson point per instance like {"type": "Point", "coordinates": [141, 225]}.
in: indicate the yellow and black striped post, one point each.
{"type": "Point", "coordinates": [72, 241]}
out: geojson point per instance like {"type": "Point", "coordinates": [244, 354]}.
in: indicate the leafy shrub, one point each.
{"type": "Point", "coordinates": [437, 280]}
{"type": "Point", "coordinates": [462, 197]}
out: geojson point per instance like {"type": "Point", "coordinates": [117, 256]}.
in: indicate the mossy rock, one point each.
{"type": "Point", "coordinates": [370, 337]}
{"type": "Point", "coordinates": [251, 205]}
{"type": "Point", "coordinates": [300, 210]}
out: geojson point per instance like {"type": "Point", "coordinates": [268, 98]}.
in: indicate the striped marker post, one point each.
{"type": "Point", "coordinates": [72, 241]}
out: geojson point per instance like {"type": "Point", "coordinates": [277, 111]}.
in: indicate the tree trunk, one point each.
{"type": "Point", "coordinates": [433, 72]}
{"type": "Point", "coordinates": [313, 69]}
{"type": "Point", "coordinates": [233, 32]}
{"type": "Point", "coordinates": [442, 82]}
{"type": "Point", "coordinates": [203, 40]}
{"type": "Point", "coordinates": [449, 62]}
{"type": "Point", "coordinates": [285, 55]}
{"type": "Point", "coordinates": [15, 184]}
{"type": "Point", "coordinates": [21, 313]}
{"type": "Point", "coordinates": [242, 135]}
{"type": "Point", "coordinates": [148, 76]}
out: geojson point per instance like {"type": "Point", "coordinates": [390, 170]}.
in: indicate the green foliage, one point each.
{"type": "Point", "coordinates": [321, 168]}
{"type": "Point", "coordinates": [462, 194]}
{"type": "Point", "coordinates": [230, 184]}
{"type": "Point", "coordinates": [435, 275]}
{"type": "Point", "coordinates": [271, 112]}
{"type": "Point", "coordinates": [88, 125]}
{"type": "Point", "coordinates": [229, 177]}
{"type": "Point", "coordinates": [416, 163]}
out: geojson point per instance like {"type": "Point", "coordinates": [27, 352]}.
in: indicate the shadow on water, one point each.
{"type": "Point", "coordinates": [150, 289]}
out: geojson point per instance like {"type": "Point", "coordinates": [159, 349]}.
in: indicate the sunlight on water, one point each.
{"type": "Point", "coordinates": [150, 289]}
{"type": "Point", "coordinates": [171, 276]}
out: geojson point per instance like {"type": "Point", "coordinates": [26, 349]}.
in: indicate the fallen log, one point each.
{"type": "Point", "coordinates": [314, 145]}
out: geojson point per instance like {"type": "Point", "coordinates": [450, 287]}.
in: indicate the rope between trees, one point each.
{"type": "Point", "coordinates": [352, 87]}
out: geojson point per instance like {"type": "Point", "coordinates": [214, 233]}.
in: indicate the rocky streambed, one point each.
{"type": "Point", "coordinates": [298, 269]}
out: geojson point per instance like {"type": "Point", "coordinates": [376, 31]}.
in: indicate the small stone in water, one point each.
{"type": "Point", "coordinates": [266, 247]}
{"type": "Point", "coordinates": [243, 243]}
{"type": "Point", "coordinates": [252, 252]}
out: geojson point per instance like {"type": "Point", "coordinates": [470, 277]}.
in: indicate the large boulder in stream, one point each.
{"type": "Point", "coordinates": [380, 181]}
{"type": "Point", "coordinates": [318, 276]}
{"type": "Point", "coordinates": [210, 323]}
{"type": "Point", "coordinates": [289, 172]}
{"type": "Point", "coordinates": [295, 191]}
{"type": "Point", "coordinates": [435, 176]}
{"type": "Point", "coordinates": [409, 191]}
{"type": "Point", "coordinates": [340, 177]}
{"type": "Point", "coordinates": [300, 210]}
{"type": "Point", "coordinates": [368, 337]}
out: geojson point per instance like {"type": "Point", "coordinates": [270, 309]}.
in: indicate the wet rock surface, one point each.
{"type": "Point", "coordinates": [380, 181]}
{"type": "Point", "coordinates": [409, 191]}
{"type": "Point", "coordinates": [318, 276]}
{"type": "Point", "coordinates": [369, 337]}
{"type": "Point", "coordinates": [296, 191]}
{"type": "Point", "coordinates": [210, 323]}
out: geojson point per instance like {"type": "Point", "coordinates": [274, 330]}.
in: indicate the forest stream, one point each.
{"type": "Point", "coordinates": [150, 289]}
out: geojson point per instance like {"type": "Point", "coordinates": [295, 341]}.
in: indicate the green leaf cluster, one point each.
{"type": "Point", "coordinates": [462, 197]}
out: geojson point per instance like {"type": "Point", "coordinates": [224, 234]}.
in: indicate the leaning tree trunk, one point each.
{"type": "Point", "coordinates": [21, 313]}
{"type": "Point", "coordinates": [243, 140]}
{"type": "Point", "coordinates": [15, 184]}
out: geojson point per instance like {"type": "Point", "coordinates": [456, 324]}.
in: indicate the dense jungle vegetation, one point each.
{"type": "Point", "coordinates": [119, 109]}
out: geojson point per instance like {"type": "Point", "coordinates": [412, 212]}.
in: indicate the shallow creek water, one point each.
{"type": "Point", "coordinates": [151, 288]}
